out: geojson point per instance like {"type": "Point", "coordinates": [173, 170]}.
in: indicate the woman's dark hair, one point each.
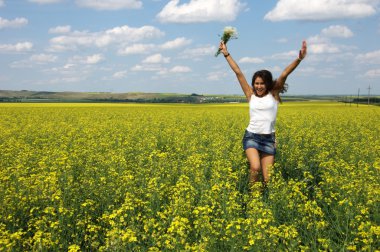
{"type": "Point", "coordinates": [268, 82]}
{"type": "Point", "coordinates": [267, 78]}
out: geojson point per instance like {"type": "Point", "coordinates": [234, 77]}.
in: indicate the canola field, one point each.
{"type": "Point", "coordinates": [134, 177]}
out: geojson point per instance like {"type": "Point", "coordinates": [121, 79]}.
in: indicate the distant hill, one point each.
{"type": "Point", "coordinates": [48, 96]}
{"type": "Point", "coordinates": [138, 97]}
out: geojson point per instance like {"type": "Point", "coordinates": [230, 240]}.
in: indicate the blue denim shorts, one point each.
{"type": "Point", "coordinates": [261, 142]}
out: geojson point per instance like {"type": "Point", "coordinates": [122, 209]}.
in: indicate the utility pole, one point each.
{"type": "Point", "coordinates": [369, 90]}
{"type": "Point", "coordinates": [357, 103]}
{"type": "Point", "coordinates": [350, 100]}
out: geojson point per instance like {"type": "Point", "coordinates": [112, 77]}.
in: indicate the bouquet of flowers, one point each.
{"type": "Point", "coordinates": [229, 32]}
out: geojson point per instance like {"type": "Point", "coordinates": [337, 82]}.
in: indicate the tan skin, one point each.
{"type": "Point", "coordinates": [259, 161]}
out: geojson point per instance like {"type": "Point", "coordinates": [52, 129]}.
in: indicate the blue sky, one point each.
{"type": "Point", "coordinates": [169, 46]}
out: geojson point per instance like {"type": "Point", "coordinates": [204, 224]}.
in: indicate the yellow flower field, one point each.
{"type": "Point", "coordinates": [133, 177]}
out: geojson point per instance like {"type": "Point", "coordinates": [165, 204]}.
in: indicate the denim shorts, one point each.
{"type": "Point", "coordinates": [261, 142]}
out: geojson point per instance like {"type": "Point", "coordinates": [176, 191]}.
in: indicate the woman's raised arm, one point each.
{"type": "Point", "coordinates": [280, 82]}
{"type": "Point", "coordinates": [239, 74]}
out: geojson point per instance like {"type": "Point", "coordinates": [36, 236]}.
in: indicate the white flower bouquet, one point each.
{"type": "Point", "coordinates": [229, 32]}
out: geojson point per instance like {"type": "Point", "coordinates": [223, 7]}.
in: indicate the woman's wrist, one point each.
{"type": "Point", "coordinates": [300, 58]}
{"type": "Point", "coordinates": [226, 54]}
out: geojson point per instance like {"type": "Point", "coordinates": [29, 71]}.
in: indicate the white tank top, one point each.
{"type": "Point", "coordinates": [262, 113]}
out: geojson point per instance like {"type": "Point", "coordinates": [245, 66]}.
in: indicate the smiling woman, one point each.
{"type": "Point", "coordinates": [259, 142]}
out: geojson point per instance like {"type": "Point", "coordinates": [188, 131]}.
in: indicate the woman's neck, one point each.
{"type": "Point", "coordinates": [260, 96]}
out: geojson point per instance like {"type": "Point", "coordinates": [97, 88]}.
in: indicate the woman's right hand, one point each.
{"type": "Point", "coordinates": [223, 48]}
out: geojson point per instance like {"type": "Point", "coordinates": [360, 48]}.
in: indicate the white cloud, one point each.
{"type": "Point", "coordinates": [199, 52]}
{"type": "Point", "coordinates": [45, 1]}
{"type": "Point", "coordinates": [329, 72]}
{"type": "Point", "coordinates": [147, 48]}
{"type": "Point", "coordinates": [126, 33]}
{"type": "Point", "coordinates": [110, 4]}
{"type": "Point", "coordinates": [19, 47]}
{"type": "Point", "coordinates": [337, 31]}
{"type": "Point", "coordinates": [136, 49]}
{"type": "Point", "coordinates": [373, 73]}
{"type": "Point", "coordinates": [161, 72]}
{"type": "Point", "coordinates": [175, 69]}
{"type": "Point", "coordinates": [321, 9]}
{"type": "Point", "coordinates": [117, 35]}
{"type": "Point", "coordinates": [370, 57]}
{"type": "Point", "coordinates": [180, 69]}
{"type": "Point", "coordinates": [147, 68]}
{"type": "Point", "coordinates": [317, 39]}
{"type": "Point", "coordinates": [282, 40]}
{"type": "Point", "coordinates": [276, 69]}
{"type": "Point", "coordinates": [322, 44]}
{"type": "Point", "coordinates": [347, 56]}
{"type": "Point", "coordinates": [119, 75]}
{"type": "Point", "coordinates": [216, 76]}
{"type": "Point", "coordinates": [21, 64]}
{"type": "Point", "coordinates": [70, 72]}
{"type": "Point", "coordinates": [176, 43]}
{"type": "Point", "coordinates": [94, 59]}
{"type": "Point", "coordinates": [60, 29]}
{"type": "Point", "coordinates": [251, 60]}
{"type": "Point", "coordinates": [1, 3]}
{"type": "Point", "coordinates": [286, 55]}
{"type": "Point", "coordinates": [159, 69]}
{"type": "Point", "coordinates": [90, 60]}
{"type": "Point", "coordinates": [69, 79]}
{"type": "Point", "coordinates": [322, 48]}
{"type": "Point", "coordinates": [307, 70]}
{"type": "Point", "coordinates": [36, 59]}
{"type": "Point", "coordinates": [43, 58]}
{"type": "Point", "coordinates": [197, 11]}
{"type": "Point", "coordinates": [69, 66]}
{"type": "Point", "coordinates": [15, 23]}
{"type": "Point", "coordinates": [153, 64]}
{"type": "Point", "coordinates": [156, 58]}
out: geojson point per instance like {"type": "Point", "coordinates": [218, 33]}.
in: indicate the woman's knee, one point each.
{"type": "Point", "coordinates": [254, 167]}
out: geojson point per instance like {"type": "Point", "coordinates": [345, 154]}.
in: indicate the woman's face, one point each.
{"type": "Point", "coordinates": [259, 86]}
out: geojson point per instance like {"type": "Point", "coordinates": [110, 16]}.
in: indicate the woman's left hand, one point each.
{"type": "Point", "coordinates": [303, 51]}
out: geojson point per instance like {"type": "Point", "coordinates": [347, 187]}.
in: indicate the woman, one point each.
{"type": "Point", "coordinates": [263, 97]}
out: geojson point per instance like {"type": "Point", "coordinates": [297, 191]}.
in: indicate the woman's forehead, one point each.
{"type": "Point", "coordinates": [259, 79]}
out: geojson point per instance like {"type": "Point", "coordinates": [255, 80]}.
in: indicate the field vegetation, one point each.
{"type": "Point", "coordinates": [135, 177]}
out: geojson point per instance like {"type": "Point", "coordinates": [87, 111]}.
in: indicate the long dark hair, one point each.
{"type": "Point", "coordinates": [267, 78]}
{"type": "Point", "coordinates": [268, 82]}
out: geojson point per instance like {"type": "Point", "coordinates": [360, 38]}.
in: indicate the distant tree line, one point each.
{"type": "Point", "coordinates": [193, 98]}
{"type": "Point", "coordinates": [375, 100]}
